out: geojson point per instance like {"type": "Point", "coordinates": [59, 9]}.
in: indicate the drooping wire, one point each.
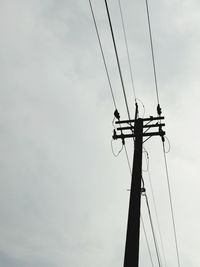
{"type": "Point", "coordinates": [143, 106]}
{"type": "Point", "coordinates": [153, 231]}
{"type": "Point", "coordinates": [148, 246]}
{"type": "Point", "coordinates": [153, 57]}
{"type": "Point", "coordinates": [171, 205]}
{"type": "Point", "coordinates": [155, 207]}
{"type": "Point", "coordinates": [129, 165]}
{"type": "Point", "coordinates": [147, 160]}
{"type": "Point", "coordinates": [102, 53]}
{"type": "Point", "coordinates": [169, 148]}
{"type": "Point", "coordinates": [117, 58]}
{"type": "Point", "coordinates": [127, 49]}
{"type": "Point", "coordinates": [120, 150]}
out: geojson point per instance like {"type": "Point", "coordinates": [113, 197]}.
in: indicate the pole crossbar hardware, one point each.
{"type": "Point", "coordinates": [151, 118]}
{"type": "Point", "coordinates": [145, 126]}
{"type": "Point", "coordinates": [131, 257]}
{"type": "Point", "coordinates": [132, 128]}
{"type": "Point", "coordinates": [123, 136]}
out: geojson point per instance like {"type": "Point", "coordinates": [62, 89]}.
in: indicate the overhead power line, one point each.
{"type": "Point", "coordinates": [126, 102]}
{"type": "Point", "coordinates": [153, 231]}
{"type": "Point", "coordinates": [171, 205]}
{"type": "Point", "coordinates": [148, 246]}
{"type": "Point", "coordinates": [107, 73]}
{"type": "Point", "coordinates": [102, 53]}
{"type": "Point", "coordinates": [155, 207]}
{"type": "Point", "coordinates": [152, 51]}
{"type": "Point", "coordinates": [154, 202]}
{"type": "Point", "coordinates": [117, 58]}
{"type": "Point", "coordinates": [128, 161]}
{"type": "Point", "coordinates": [127, 49]}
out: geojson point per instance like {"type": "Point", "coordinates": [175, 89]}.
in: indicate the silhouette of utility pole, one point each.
{"type": "Point", "coordinates": [133, 226]}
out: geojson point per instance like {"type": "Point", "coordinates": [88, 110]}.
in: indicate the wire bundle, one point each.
{"type": "Point", "coordinates": [128, 113]}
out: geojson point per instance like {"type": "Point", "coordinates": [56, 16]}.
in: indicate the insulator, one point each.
{"type": "Point", "coordinates": [159, 110]}
{"type": "Point", "coordinates": [116, 114]}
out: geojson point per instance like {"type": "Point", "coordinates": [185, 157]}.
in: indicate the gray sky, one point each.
{"type": "Point", "coordinates": [63, 195]}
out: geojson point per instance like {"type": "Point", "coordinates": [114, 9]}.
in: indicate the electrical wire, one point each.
{"type": "Point", "coordinates": [152, 51]}
{"type": "Point", "coordinates": [103, 56]}
{"type": "Point", "coordinates": [147, 160]}
{"type": "Point", "coordinates": [137, 99]}
{"type": "Point", "coordinates": [155, 208]}
{"type": "Point", "coordinates": [169, 148]}
{"type": "Point", "coordinates": [117, 58]}
{"type": "Point", "coordinates": [107, 73]}
{"type": "Point", "coordinates": [120, 150]}
{"type": "Point", "coordinates": [124, 92]}
{"type": "Point", "coordinates": [153, 231]}
{"type": "Point", "coordinates": [129, 165]}
{"type": "Point", "coordinates": [158, 102]}
{"type": "Point", "coordinates": [148, 246]}
{"type": "Point", "coordinates": [127, 49]}
{"type": "Point", "coordinates": [171, 205]}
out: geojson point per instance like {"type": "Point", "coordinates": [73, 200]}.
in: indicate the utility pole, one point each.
{"type": "Point", "coordinates": [131, 258]}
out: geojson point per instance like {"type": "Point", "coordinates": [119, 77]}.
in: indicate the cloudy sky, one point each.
{"type": "Point", "coordinates": [63, 195]}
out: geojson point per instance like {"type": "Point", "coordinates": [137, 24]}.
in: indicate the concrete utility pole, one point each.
{"type": "Point", "coordinates": [133, 226]}
{"type": "Point", "coordinates": [131, 258]}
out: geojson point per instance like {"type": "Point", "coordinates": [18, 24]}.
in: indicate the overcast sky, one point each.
{"type": "Point", "coordinates": [63, 195]}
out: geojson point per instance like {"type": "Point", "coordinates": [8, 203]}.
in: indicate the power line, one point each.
{"type": "Point", "coordinates": [117, 58]}
{"type": "Point", "coordinates": [153, 231]}
{"type": "Point", "coordinates": [169, 148]}
{"type": "Point", "coordinates": [159, 110]}
{"type": "Point", "coordinates": [155, 206]}
{"type": "Point", "coordinates": [145, 234]}
{"type": "Point", "coordinates": [152, 51]}
{"type": "Point", "coordinates": [127, 49]}
{"type": "Point", "coordinates": [154, 202]}
{"type": "Point", "coordinates": [107, 73]}
{"type": "Point", "coordinates": [103, 56]}
{"type": "Point", "coordinates": [109, 81]}
{"type": "Point", "coordinates": [126, 102]}
{"type": "Point", "coordinates": [171, 205]}
{"type": "Point", "coordinates": [129, 165]}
